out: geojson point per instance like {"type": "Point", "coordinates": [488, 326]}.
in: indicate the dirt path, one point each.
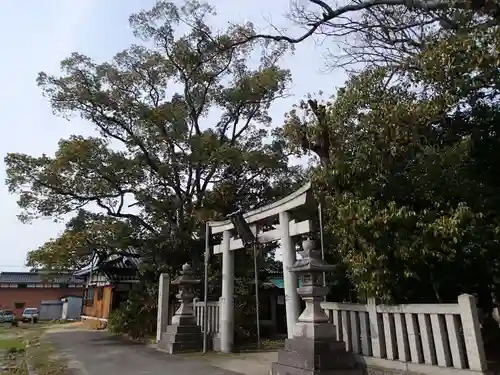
{"type": "Point", "coordinates": [98, 353]}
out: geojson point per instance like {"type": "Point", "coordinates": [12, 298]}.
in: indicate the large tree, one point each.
{"type": "Point", "coordinates": [409, 170]}
{"type": "Point", "coordinates": [182, 136]}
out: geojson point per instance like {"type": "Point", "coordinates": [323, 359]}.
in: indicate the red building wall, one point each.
{"type": "Point", "coordinates": [33, 296]}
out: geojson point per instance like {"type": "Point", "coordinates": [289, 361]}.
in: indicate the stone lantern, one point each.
{"type": "Point", "coordinates": [183, 335]}
{"type": "Point", "coordinates": [186, 283]}
{"type": "Point", "coordinates": [314, 348]}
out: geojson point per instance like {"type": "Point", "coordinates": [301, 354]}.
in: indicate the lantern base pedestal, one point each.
{"type": "Point", "coordinates": [181, 338]}
{"type": "Point", "coordinates": [306, 356]}
{"type": "Point", "coordinates": [314, 348]}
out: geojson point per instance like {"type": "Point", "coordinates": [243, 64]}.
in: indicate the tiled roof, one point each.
{"type": "Point", "coordinates": [37, 278]}
{"type": "Point", "coordinates": [123, 261]}
{"type": "Point", "coordinates": [114, 261]}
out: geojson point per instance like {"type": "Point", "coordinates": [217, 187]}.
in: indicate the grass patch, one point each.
{"type": "Point", "coordinates": [12, 344]}
{"type": "Point", "coordinates": [13, 358]}
{"type": "Point", "coordinates": [28, 353]}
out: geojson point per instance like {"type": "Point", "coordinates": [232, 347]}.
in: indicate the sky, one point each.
{"type": "Point", "coordinates": [36, 35]}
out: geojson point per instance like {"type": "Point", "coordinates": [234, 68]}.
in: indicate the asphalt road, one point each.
{"type": "Point", "coordinates": [98, 353]}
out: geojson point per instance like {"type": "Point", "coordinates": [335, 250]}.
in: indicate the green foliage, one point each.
{"type": "Point", "coordinates": [86, 233]}
{"type": "Point", "coordinates": [136, 317]}
{"type": "Point", "coordinates": [181, 138]}
{"type": "Point", "coordinates": [409, 174]}
{"type": "Point", "coordinates": [407, 149]}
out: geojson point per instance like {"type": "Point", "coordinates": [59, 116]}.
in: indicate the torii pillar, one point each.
{"type": "Point", "coordinates": [292, 298]}
{"type": "Point", "coordinates": [284, 233]}
{"type": "Point", "coordinates": [226, 325]}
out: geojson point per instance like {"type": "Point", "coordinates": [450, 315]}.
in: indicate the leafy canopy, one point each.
{"type": "Point", "coordinates": [409, 171]}
{"type": "Point", "coordinates": [182, 136]}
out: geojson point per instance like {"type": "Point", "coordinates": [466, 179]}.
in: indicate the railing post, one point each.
{"type": "Point", "coordinates": [216, 333]}
{"type": "Point", "coordinates": [219, 307]}
{"type": "Point", "coordinates": [472, 332]}
{"type": "Point", "coordinates": [163, 318]}
{"type": "Point", "coordinates": [196, 314]}
{"type": "Point", "coordinates": [376, 329]}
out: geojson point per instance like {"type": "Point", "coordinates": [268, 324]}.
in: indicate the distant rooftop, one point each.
{"type": "Point", "coordinates": [116, 266]}
{"type": "Point", "coordinates": [128, 261]}
{"type": "Point", "coordinates": [38, 278]}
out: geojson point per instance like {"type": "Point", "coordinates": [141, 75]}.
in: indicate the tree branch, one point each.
{"type": "Point", "coordinates": [329, 14]}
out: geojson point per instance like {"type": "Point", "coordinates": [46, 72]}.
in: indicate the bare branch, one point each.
{"type": "Point", "coordinates": [329, 13]}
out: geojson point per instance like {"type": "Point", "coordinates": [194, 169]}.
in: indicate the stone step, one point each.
{"type": "Point", "coordinates": [183, 329]}
{"type": "Point", "coordinates": [179, 347]}
{"type": "Point", "coordinates": [305, 345]}
{"type": "Point", "coordinates": [181, 337]}
{"type": "Point", "coordinates": [326, 361]}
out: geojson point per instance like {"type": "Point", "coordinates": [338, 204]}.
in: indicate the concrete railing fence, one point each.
{"type": "Point", "coordinates": [413, 338]}
{"type": "Point", "coordinates": [447, 336]}
{"type": "Point", "coordinates": [213, 311]}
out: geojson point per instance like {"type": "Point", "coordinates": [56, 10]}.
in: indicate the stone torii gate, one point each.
{"type": "Point", "coordinates": [285, 231]}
